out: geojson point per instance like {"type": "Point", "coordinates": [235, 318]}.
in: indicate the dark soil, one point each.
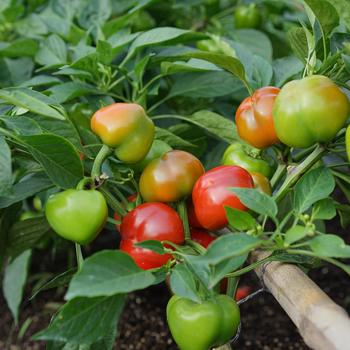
{"type": "Point", "coordinates": [143, 325]}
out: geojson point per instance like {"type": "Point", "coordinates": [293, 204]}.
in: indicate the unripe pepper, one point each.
{"type": "Point", "coordinates": [247, 17]}
{"type": "Point", "coordinates": [247, 158]}
{"type": "Point", "coordinates": [310, 110]}
{"type": "Point", "coordinates": [126, 128]}
{"type": "Point", "coordinates": [77, 215]}
{"type": "Point", "coordinates": [254, 119]}
{"type": "Point", "coordinates": [211, 194]}
{"type": "Point", "coordinates": [204, 325]}
{"type": "Point", "coordinates": [170, 177]}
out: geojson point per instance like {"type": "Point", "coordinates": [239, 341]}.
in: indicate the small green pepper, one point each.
{"type": "Point", "coordinates": [201, 326]}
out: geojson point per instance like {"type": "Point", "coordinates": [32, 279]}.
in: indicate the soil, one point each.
{"type": "Point", "coordinates": [143, 324]}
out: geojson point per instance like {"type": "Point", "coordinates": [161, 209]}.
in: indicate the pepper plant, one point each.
{"type": "Point", "coordinates": [118, 120]}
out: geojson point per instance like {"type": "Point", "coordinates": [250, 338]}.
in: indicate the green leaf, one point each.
{"type": "Point", "coordinates": [164, 36]}
{"type": "Point", "coordinates": [84, 320]}
{"type": "Point", "coordinates": [224, 255]}
{"type": "Point", "coordinates": [22, 125]}
{"type": "Point", "coordinates": [19, 47]}
{"type": "Point", "coordinates": [151, 244]}
{"type": "Point", "coordinates": [218, 126]}
{"type": "Point", "coordinates": [285, 69]}
{"type": "Point", "coordinates": [325, 13]}
{"type": "Point", "coordinates": [228, 63]}
{"type": "Point", "coordinates": [257, 201]}
{"type": "Point", "coordinates": [193, 65]}
{"type": "Point", "coordinates": [298, 41]}
{"type": "Point", "coordinates": [207, 84]}
{"type": "Point", "coordinates": [27, 187]}
{"type": "Point", "coordinates": [331, 246]}
{"type": "Point", "coordinates": [40, 80]}
{"type": "Point", "coordinates": [64, 128]}
{"type": "Point", "coordinates": [240, 220]}
{"type": "Point", "coordinates": [52, 51]}
{"type": "Point", "coordinates": [33, 101]}
{"type": "Point", "coordinates": [107, 273]}
{"type": "Point", "coordinates": [312, 187]}
{"type": "Point", "coordinates": [71, 90]}
{"type": "Point", "coordinates": [171, 139]}
{"type": "Point", "coordinates": [60, 280]}
{"type": "Point", "coordinates": [14, 280]}
{"type": "Point", "coordinates": [230, 245]}
{"type": "Point", "coordinates": [324, 209]}
{"type": "Point", "coordinates": [182, 283]}
{"type": "Point", "coordinates": [6, 168]}
{"type": "Point", "coordinates": [295, 234]}
{"type": "Point", "coordinates": [25, 235]}
{"type": "Point", "coordinates": [58, 157]}
{"type": "Point", "coordinates": [255, 41]}
{"type": "Point", "coordinates": [343, 9]}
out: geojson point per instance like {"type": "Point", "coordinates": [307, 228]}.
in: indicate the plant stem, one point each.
{"type": "Point", "coordinates": [112, 201]}
{"type": "Point", "coordinates": [329, 260]}
{"type": "Point", "coordinates": [101, 156]}
{"type": "Point", "coordinates": [249, 267]}
{"type": "Point", "coordinates": [232, 285]}
{"type": "Point", "coordinates": [79, 255]}
{"type": "Point", "coordinates": [157, 104]}
{"type": "Point", "coordinates": [278, 174]}
{"type": "Point", "coordinates": [298, 171]}
{"type": "Point", "coordinates": [182, 210]}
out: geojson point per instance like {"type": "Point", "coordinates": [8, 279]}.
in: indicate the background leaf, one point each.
{"type": "Point", "coordinates": [14, 280]}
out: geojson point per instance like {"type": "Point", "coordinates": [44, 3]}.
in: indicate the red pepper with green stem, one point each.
{"type": "Point", "coordinates": [210, 194]}
{"type": "Point", "coordinates": [150, 221]}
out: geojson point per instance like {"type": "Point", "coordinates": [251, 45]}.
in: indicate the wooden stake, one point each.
{"type": "Point", "coordinates": [323, 324]}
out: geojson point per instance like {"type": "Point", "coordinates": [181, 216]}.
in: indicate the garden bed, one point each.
{"type": "Point", "coordinates": [143, 325]}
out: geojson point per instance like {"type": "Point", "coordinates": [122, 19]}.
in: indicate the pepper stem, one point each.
{"type": "Point", "coordinates": [298, 171]}
{"type": "Point", "coordinates": [232, 285]}
{"type": "Point", "coordinates": [103, 153]}
{"type": "Point", "coordinates": [182, 210]}
{"type": "Point", "coordinates": [79, 255]}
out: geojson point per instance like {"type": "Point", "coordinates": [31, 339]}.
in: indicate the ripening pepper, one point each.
{"type": "Point", "coordinates": [204, 325]}
{"type": "Point", "coordinates": [247, 158]}
{"type": "Point", "coordinates": [254, 118]}
{"type": "Point", "coordinates": [170, 177]}
{"type": "Point", "coordinates": [77, 215]}
{"type": "Point", "coordinates": [126, 128]}
{"type": "Point", "coordinates": [310, 110]}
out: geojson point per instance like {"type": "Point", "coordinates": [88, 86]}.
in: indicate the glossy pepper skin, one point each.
{"type": "Point", "coordinates": [210, 194]}
{"type": "Point", "coordinates": [202, 237]}
{"type": "Point", "coordinates": [247, 17]}
{"type": "Point", "coordinates": [202, 326]}
{"type": "Point", "coordinates": [155, 221]}
{"type": "Point", "coordinates": [347, 141]}
{"type": "Point", "coordinates": [158, 149]}
{"type": "Point", "coordinates": [126, 128]}
{"type": "Point", "coordinates": [310, 110]}
{"type": "Point", "coordinates": [241, 155]}
{"type": "Point", "coordinates": [261, 183]}
{"type": "Point", "coordinates": [254, 119]}
{"type": "Point", "coordinates": [170, 177]}
{"type": "Point", "coordinates": [77, 215]}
